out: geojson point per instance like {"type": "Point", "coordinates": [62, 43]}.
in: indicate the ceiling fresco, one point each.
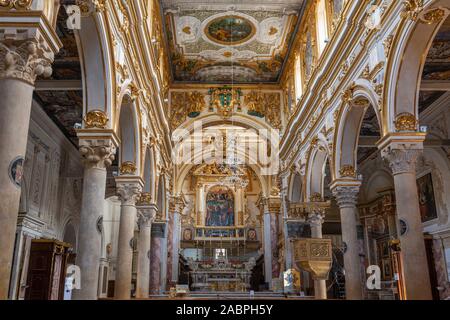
{"type": "Point", "coordinates": [229, 41]}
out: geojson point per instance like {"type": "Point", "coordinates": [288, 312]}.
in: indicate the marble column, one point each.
{"type": "Point", "coordinates": [128, 191]}
{"type": "Point", "coordinates": [22, 60]}
{"type": "Point", "coordinates": [97, 155]}
{"type": "Point", "coordinates": [315, 220]}
{"type": "Point", "coordinates": [402, 162]}
{"type": "Point", "coordinates": [146, 214]}
{"type": "Point", "coordinates": [347, 197]}
{"type": "Point", "coordinates": [177, 205]}
{"type": "Point", "coordinates": [267, 249]}
{"type": "Point", "coordinates": [271, 208]}
{"type": "Point", "coordinates": [155, 257]}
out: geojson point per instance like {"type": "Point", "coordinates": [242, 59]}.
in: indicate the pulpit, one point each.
{"type": "Point", "coordinates": [47, 270]}
{"type": "Point", "coordinates": [315, 256]}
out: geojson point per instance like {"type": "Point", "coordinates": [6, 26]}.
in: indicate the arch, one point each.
{"type": "Point", "coordinates": [295, 188]}
{"type": "Point", "coordinates": [161, 196]}
{"type": "Point", "coordinates": [315, 172]}
{"type": "Point", "coordinates": [97, 66]}
{"type": "Point", "coordinates": [70, 235]}
{"type": "Point", "coordinates": [149, 174]}
{"type": "Point", "coordinates": [129, 133]}
{"type": "Point", "coordinates": [406, 62]}
{"type": "Point", "coordinates": [348, 127]}
{"type": "Point", "coordinates": [380, 179]}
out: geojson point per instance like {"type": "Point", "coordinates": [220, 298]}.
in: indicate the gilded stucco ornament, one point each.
{"type": "Point", "coordinates": [433, 16]}
{"type": "Point", "coordinates": [316, 197]}
{"type": "Point", "coordinates": [128, 168]}
{"type": "Point", "coordinates": [412, 9]}
{"type": "Point", "coordinates": [96, 119]}
{"type": "Point", "coordinates": [405, 122]}
{"type": "Point", "coordinates": [347, 171]}
{"type": "Point", "coordinates": [196, 102]}
{"type": "Point", "coordinates": [145, 198]}
{"type": "Point", "coordinates": [16, 4]}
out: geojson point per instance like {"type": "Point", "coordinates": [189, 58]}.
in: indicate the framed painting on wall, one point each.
{"type": "Point", "coordinates": [427, 201]}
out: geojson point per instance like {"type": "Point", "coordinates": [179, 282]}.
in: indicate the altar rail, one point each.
{"type": "Point", "coordinates": [220, 233]}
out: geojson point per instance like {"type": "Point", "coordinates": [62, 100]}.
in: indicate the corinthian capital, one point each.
{"type": "Point", "coordinates": [315, 219]}
{"type": "Point", "coordinates": [128, 191]}
{"type": "Point", "coordinates": [25, 59]}
{"type": "Point", "coordinates": [346, 196]}
{"type": "Point", "coordinates": [97, 153]}
{"type": "Point", "coordinates": [401, 160]}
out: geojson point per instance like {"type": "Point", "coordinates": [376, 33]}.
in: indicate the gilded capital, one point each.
{"type": "Point", "coordinates": [97, 153]}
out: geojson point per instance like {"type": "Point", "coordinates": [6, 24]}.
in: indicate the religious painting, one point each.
{"type": "Point", "coordinates": [187, 234]}
{"type": "Point", "coordinates": [251, 235]}
{"type": "Point", "coordinates": [220, 208]}
{"type": "Point", "coordinates": [427, 201]}
{"type": "Point", "coordinates": [387, 269]}
{"type": "Point", "coordinates": [230, 30]}
{"type": "Point", "coordinates": [16, 171]}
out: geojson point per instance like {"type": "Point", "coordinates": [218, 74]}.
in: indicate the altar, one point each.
{"type": "Point", "coordinates": [221, 276]}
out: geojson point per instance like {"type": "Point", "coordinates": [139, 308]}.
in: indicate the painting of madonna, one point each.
{"type": "Point", "coordinates": [220, 208]}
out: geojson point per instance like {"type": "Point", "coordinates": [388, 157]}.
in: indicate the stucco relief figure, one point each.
{"type": "Point", "coordinates": [220, 208]}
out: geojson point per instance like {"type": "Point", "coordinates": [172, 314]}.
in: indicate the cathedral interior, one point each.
{"type": "Point", "coordinates": [206, 148]}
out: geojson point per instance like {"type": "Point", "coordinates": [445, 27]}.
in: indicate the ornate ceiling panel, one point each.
{"type": "Point", "coordinates": [229, 41]}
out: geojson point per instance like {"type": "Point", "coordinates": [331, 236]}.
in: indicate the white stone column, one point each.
{"type": "Point", "coordinates": [128, 191]}
{"type": "Point", "coordinates": [347, 197]}
{"type": "Point", "coordinates": [146, 214]}
{"type": "Point", "coordinates": [177, 207]}
{"type": "Point", "coordinates": [315, 221]}
{"type": "Point", "coordinates": [23, 55]}
{"type": "Point", "coordinates": [402, 162]}
{"type": "Point", "coordinates": [97, 156]}
{"type": "Point", "coordinates": [267, 248]}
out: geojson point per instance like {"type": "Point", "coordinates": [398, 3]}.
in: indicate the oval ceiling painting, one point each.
{"type": "Point", "coordinates": [230, 30]}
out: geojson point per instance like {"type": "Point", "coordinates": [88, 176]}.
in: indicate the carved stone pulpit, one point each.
{"type": "Point", "coordinates": [315, 256]}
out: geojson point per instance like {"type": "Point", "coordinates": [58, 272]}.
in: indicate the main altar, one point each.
{"type": "Point", "coordinates": [221, 275]}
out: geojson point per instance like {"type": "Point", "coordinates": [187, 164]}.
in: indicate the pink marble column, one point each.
{"type": "Point", "coordinates": [274, 245]}
{"type": "Point", "coordinates": [155, 261]}
{"type": "Point", "coordinates": [169, 250]}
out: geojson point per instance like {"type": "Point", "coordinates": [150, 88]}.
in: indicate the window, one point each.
{"type": "Point", "coordinates": [298, 79]}
{"type": "Point", "coordinates": [322, 25]}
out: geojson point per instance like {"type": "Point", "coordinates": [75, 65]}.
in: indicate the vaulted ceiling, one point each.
{"type": "Point", "coordinates": [234, 41]}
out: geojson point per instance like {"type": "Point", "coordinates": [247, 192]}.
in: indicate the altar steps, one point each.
{"type": "Point", "coordinates": [236, 296]}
